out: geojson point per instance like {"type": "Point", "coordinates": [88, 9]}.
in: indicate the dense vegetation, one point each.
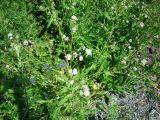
{"type": "Point", "coordinates": [58, 58]}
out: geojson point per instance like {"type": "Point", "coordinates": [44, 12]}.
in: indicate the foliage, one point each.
{"type": "Point", "coordinates": [58, 57]}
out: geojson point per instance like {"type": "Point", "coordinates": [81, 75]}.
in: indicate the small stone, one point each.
{"type": "Point", "coordinates": [154, 115]}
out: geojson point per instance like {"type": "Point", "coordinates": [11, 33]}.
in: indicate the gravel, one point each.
{"type": "Point", "coordinates": [140, 105]}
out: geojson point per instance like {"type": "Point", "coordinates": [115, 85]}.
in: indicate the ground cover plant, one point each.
{"type": "Point", "coordinates": [59, 59]}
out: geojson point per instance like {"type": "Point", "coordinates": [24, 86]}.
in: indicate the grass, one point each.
{"type": "Point", "coordinates": [41, 76]}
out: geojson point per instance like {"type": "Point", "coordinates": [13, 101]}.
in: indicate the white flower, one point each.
{"type": "Point", "coordinates": [86, 93]}
{"type": "Point", "coordinates": [74, 71]}
{"type": "Point", "coordinates": [74, 29]}
{"type": "Point", "coordinates": [80, 58]}
{"type": "Point", "coordinates": [41, 7]}
{"type": "Point", "coordinates": [88, 51]}
{"type": "Point", "coordinates": [74, 18]}
{"type": "Point", "coordinates": [10, 36]}
{"type": "Point", "coordinates": [68, 57]}
{"type": "Point", "coordinates": [142, 24]}
{"type": "Point", "coordinates": [144, 61]}
{"type": "Point", "coordinates": [71, 82]}
{"type": "Point", "coordinates": [130, 40]}
{"type": "Point", "coordinates": [85, 87]}
{"type": "Point", "coordinates": [57, 97]}
{"type": "Point", "coordinates": [146, 16]}
{"type": "Point", "coordinates": [75, 55]}
{"type": "Point", "coordinates": [7, 66]}
{"type": "Point", "coordinates": [65, 38]}
{"type": "Point", "coordinates": [85, 90]}
{"type": "Point", "coordinates": [130, 47]}
{"type": "Point", "coordinates": [25, 43]}
{"type": "Point", "coordinates": [124, 62]}
{"type": "Point", "coordinates": [125, 7]}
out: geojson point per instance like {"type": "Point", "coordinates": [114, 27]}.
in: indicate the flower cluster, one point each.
{"type": "Point", "coordinates": [78, 54]}
{"type": "Point", "coordinates": [65, 38]}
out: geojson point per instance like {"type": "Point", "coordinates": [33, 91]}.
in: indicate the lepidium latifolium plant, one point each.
{"type": "Point", "coordinates": [59, 59]}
